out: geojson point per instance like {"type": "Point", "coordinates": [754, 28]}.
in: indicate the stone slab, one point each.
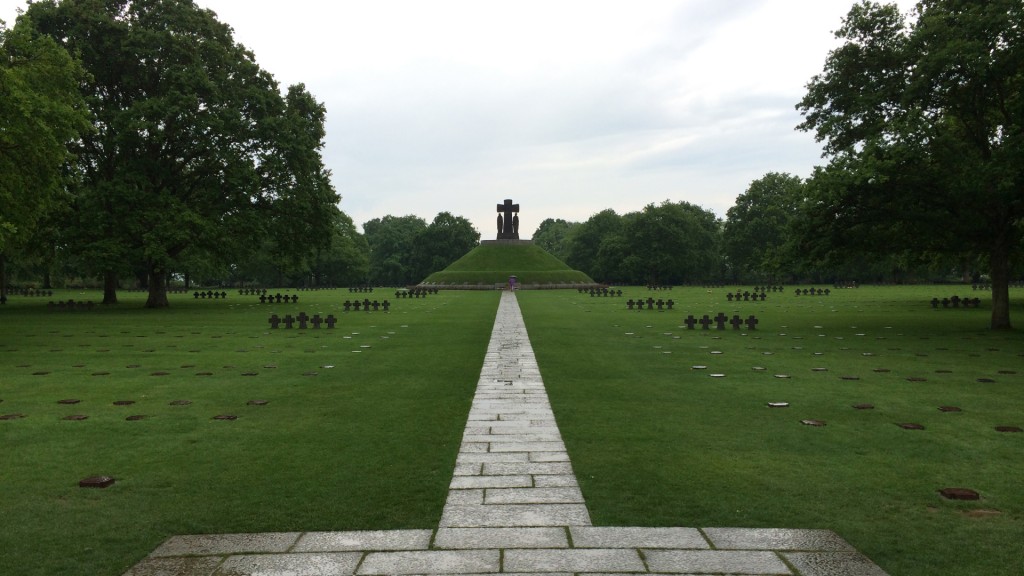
{"type": "Point", "coordinates": [465, 496]}
{"type": "Point", "coordinates": [190, 566]}
{"type": "Point", "coordinates": [481, 457]}
{"type": "Point", "coordinates": [614, 537]}
{"type": "Point", "coordinates": [511, 515]}
{"type": "Point", "coordinates": [547, 468]}
{"type": "Point", "coordinates": [469, 538]}
{"type": "Point", "coordinates": [528, 447]}
{"type": "Point", "coordinates": [776, 539]}
{"type": "Point", "coordinates": [224, 544]}
{"type": "Point", "coordinates": [715, 561]}
{"type": "Point", "coordinates": [555, 481]}
{"type": "Point", "coordinates": [624, 560]}
{"type": "Point", "coordinates": [534, 496]}
{"type": "Point", "coordinates": [331, 564]}
{"type": "Point", "coordinates": [432, 562]}
{"type": "Point", "coordinates": [364, 540]}
{"type": "Point", "coordinates": [833, 564]}
{"type": "Point", "coordinates": [463, 482]}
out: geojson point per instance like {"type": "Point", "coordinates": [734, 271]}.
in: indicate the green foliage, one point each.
{"type": "Point", "coordinates": [392, 240]}
{"type": "Point", "coordinates": [491, 264]}
{"type": "Point", "coordinates": [444, 241]}
{"type": "Point", "coordinates": [553, 235]}
{"type": "Point", "coordinates": [671, 243]}
{"type": "Point", "coordinates": [923, 124]}
{"type": "Point", "coordinates": [195, 152]}
{"type": "Point", "coordinates": [757, 226]}
{"type": "Point", "coordinates": [41, 112]}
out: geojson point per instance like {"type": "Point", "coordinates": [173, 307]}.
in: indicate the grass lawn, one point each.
{"type": "Point", "coordinates": [656, 440]}
{"type": "Point", "coordinates": [368, 442]}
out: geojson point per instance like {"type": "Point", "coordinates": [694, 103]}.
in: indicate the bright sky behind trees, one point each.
{"type": "Point", "coordinates": [567, 107]}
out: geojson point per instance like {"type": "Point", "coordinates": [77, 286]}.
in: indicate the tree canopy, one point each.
{"type": "Point", "coordinates": [41, 114]}
{"type": "Point", "coordinates": [194, 150]}
{"type": "Point", "coordinates": [923, 126]}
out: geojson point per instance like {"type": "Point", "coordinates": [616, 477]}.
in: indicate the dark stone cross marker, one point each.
{"type": "Point", "coordinates": [508, 221]}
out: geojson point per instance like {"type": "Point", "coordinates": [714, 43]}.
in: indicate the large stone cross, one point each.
{"type": "Point", "coordinates": [508, 224]}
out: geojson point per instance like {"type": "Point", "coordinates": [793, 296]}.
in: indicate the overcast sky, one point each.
{"type": "Point", "coordinates": [566, 107]}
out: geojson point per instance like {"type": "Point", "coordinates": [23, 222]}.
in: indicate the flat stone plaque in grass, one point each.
{"type": "Point", "coordinates": [698, 367]}
{"type": "Point", "coordinates": [916, 379]}
{"type": "Point", "coordinates": [180, 402]}
{"type": "Point", "coordinates": [849, 377]}
{"type": "Point", "coordinates": [257, 402]}
{"type": "Point", "coordinates": [986, 380]}
{"type": "Point", "coordinates": [783, 376]}
{"type": "Point", "coordinates": [959, 494]}
{"type": "Point", "coordinates": [124, 402]}
{"type": "Point", "coordinates": [1008, 429]}
{"type": "Point", "coordinates": [133, 366]}
{"type": "Point", "coordinates": [96, 482]}
{"type": "Point", "coordinates": [250, 373]}
{"type": "Point", "coordinates": [812, 422]}
{"type": "Point", "coordinates": [819, 369]}
{"type": "Point", "coordinates": [204, 373]}
{"type": "Point", "coordinates": [40, 373]}
{"type": "Point", "coordinates": [75, 417]}
{"type": "Point", "coordinates": [69, 401]}
{"type": "Point", "coordinates": [160, 373]}
{"type": "Point", "coordinates": [225, 417]}
{"type": "Point", "coordinates": [12, 416]}
{"type": "Point", "coordinates": [881, 370]}
{"type": "Point", "coordinates": [910, 426]}
{"type": "Point", "coordinates": [1007, 371]}
{"type": "Point", "coordinates": [136, 417]}
{"type": "Point", "coordinates": [950, 409]}
{"type": "Point", "coordinates": [864, 406]}
{"type": "Point", "coordinates": [778, 404]}
{"type": "Point", "coordinates": [309, 373]}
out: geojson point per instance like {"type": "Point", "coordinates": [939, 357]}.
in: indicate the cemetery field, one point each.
{"type": "Point", "coordinates": [360, 428]}
{"type": "Point", "coordinates": [671, 427]}
{"type": "Point", "coordinates": [361, 423]}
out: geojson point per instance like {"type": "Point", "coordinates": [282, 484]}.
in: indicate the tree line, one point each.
{"type": "Point", "coordinates": [139, 140]}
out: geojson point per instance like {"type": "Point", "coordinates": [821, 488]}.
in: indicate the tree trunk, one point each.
{"type": "Point", "coordinates": [157, 290]}
{"type": "Point", "coordinates": [110, 287]}
{"type": "Point", "coordinates": [1000, 287]}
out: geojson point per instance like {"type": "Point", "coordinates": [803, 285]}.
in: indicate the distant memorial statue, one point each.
{"type": "Point", "coordinates": [508, 221]}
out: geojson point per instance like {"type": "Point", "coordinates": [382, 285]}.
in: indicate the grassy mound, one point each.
{"type": "Point", "coordinates": [490, 264]}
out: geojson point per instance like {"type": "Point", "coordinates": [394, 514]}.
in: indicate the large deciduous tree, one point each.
{"type": "Point", "coordinates": [446, 239]}
{"type": "Point", "coordinates": [553, 236]}
{"type": "Point", "coordinates": [41, 113]}
{"type": "Point", "coordinates": [672, 243]}
{"type": "Point", "coordinates": [391, 240]}
{"type": "Point", "coordinates": [755, 235]}
{"type": "Point", "coordinates": [195, 150]}
{"type": "Point", "coordinates": [923, 124]}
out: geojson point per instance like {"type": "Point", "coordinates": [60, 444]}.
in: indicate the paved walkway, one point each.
{"type": "Point", "coordinates": [513, 507]}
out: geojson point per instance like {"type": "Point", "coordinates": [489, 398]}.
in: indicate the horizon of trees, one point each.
{"type": "Point", "coordinates": [161, 152]}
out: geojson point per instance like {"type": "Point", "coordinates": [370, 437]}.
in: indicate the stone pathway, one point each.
{"type": "Point", "coordinates": [513, 507]}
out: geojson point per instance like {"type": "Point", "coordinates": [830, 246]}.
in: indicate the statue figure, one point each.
{"type": "Point", "coordinates": [508, 225]}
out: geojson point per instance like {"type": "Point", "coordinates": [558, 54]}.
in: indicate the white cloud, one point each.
{"type": "Point", "coordinates": [568, 107]}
